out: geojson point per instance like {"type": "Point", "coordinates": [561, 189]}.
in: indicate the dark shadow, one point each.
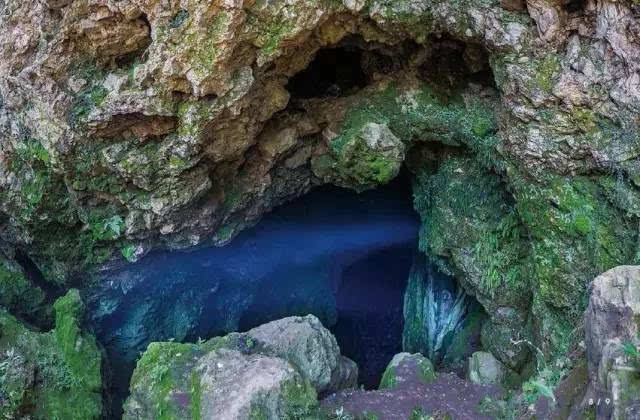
{"type": "Point", "coordinates": [333, 72]}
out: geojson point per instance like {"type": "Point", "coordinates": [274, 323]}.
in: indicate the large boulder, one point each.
{"type": "Point", "coordinates": [612, 328]}
{"type": "Point", "coordinates": [306, 344]}
{"type": "Point", "coordinates": [271, 372]}
{"type": "Point", "coordinates": [178, 381]}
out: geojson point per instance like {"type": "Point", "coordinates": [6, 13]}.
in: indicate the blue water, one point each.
{"type": "Point", "coordinates": [342, 256]}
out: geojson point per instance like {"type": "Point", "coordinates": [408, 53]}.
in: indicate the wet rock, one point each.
{"type": "Point", "coordinates": [273, 371]}
{"type": "Point", "coordinates": [440, 319]}
{"type": "Point", "coordinates": [612, 327]}
{"type": "Point", "coordinates": [485, 369]}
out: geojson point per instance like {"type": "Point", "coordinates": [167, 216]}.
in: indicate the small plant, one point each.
{"type": "Point", "coordinates": [340, 414]}
{"type": "Point", "coordinates": [633, 353]}
{"type": "Point", "coordinates": [128, 252]}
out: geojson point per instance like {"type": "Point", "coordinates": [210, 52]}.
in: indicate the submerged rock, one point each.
{"type": "Point", "coordinates": [52, 375]}
{"type": "Point", "coordinates": [612, 327]}
{"type": "Point", "coordinates": [273, 371]}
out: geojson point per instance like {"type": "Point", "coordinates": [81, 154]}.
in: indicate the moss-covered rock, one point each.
{"type": "Point", "coordinates": [19, 295]}
{"type": "Point", "coordinates": [53, 375]}
{"type": "Point", "coordinates": [407, 367]}
{"type": "Point", "coordinates": [271, 372]}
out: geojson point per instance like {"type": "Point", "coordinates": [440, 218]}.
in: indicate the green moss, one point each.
{"type": "Point", "coordinates": [426, 372]}
{"type": "Point", "coordinates": [300, 400]}
{"type": "Point", "coordinates": [545, 71]}
{"type": "Point", "coordinates": [78, 351]}
{"type": "Point", "coordinates": [19, 295]}
{"type": "Point", "coordinates": [64, 366]}
{"type": "Point", "coordinates": [465, 209]}
{"type": "Point", "coordinates": [196, 396]}
{"type": "Point", "coordinates": [128, 252]}
{"type": "Point", "coordinates": [89, 98]}
{"type": "Point", "coordinates": [389, 379]}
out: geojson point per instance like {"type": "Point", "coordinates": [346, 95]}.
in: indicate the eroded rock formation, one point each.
{"type": "Point", "coordinates": [612, 327]}
{"type": "Point", "coordinates": [132, 125]}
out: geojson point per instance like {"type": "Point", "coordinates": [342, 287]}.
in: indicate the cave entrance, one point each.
{"type": "Point", "coordinates": [342, 256]}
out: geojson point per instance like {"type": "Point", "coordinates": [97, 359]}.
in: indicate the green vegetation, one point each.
{"type": "Point", "coordinates": [389, 379]}
{"type": "Point", "coordinates": [157, 374]}
{"type": "Point", "coordinates": [426, 372]}
{"type": "Point", "coordinates": [465, 210]}
{"type": "Point", "coordinates": [54, 375]}
{"type": "Point", "coordinates": [19, 295]}
{"type": "Point", "coordinates": [633, 353]}
{"type": "Point", "coordinates": [128, 252]}
{"type": "Point", "coordinates": [300, 401]}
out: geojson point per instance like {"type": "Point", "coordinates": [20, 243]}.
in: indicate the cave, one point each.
{"type": "Point", "coordinates": [342, 256]}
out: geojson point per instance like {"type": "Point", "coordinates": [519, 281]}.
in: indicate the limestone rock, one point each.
{"type": "Point", "coordinates": [612, 327]}
{"type": "Point", "coordinates": [309, 346]}
{"type": "Point", "coordinates": [269, 372]}
{"type": "Point", "coordinates": [371, 156]}
{"type": "Point", "coordinates": [221, 384]}
{"type": "Point", "coordinates": [485, 369]}
{"type": "Point", "coordinates": [128, 126]}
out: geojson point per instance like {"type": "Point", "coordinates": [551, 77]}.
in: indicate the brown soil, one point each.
{"type": "Point", "coordinates": [447, 394]}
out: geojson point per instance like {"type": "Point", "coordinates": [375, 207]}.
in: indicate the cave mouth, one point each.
{"type": "Point", "coordinates": [342, 256]}
{"type": "Point", "coordinates": [330, 253]}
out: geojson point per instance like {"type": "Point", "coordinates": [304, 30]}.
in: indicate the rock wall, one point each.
{"type": "Point", "coordinates": [612, 327]}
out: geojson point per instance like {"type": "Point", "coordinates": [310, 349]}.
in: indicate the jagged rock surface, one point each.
{"type": "Point", "coordinates": [613, 343]}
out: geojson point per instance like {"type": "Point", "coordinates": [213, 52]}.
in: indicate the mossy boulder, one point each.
{"type": "Point", "coordinates": [407, 367]}
{"type": "Point", "coordinates": [52, 375]}
{"type": "Point", "coordinates": [370, 156]}
{"type": "Point", "coordinates": [271, 372]}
